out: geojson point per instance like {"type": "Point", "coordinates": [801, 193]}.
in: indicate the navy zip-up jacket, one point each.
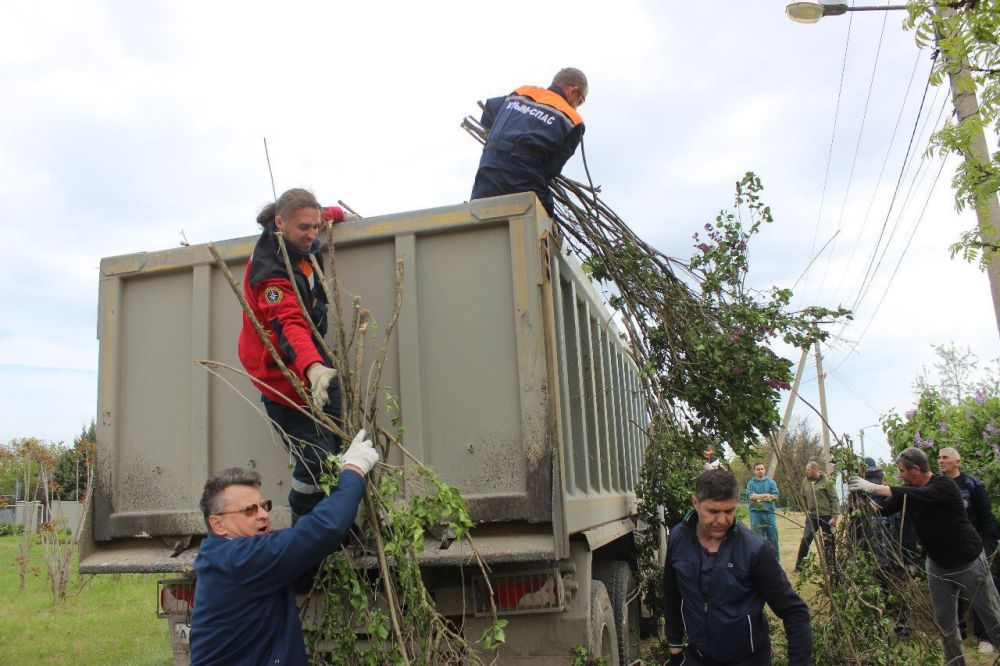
{"type": "Point", "coordinates": [718, 600]}
{"type": "Point", "coordinates": [532, 134]}
{"type": "Point", "coordinates": [244, 600]}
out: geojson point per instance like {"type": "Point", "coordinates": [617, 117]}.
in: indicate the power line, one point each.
{"type": "Point", "coordinates": [902, 209]}
{"type": "Point", "coordinates": [895, 270]}
{"type": "Point", "coordinates": [895, 192]}
{"type": "Point", "coordinates": [857, 151]}
{"type": "Point", "coordinates": [833, 136]}
{"type": "Point", "coordinates": [878, 181]}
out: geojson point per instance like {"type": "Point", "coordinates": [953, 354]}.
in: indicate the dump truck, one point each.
{"type": "Point", "coordinates": [513, 383]}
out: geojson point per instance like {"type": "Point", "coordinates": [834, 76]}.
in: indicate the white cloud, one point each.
{"type": "Point", "coordinates": [127, 123]}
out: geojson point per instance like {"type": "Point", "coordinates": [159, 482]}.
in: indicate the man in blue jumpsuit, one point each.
{"type": "Point", "coordinates": [244, 603]}
{"type": "Point", "coordinates": [762, 491]}
{"type": "Point", "coordinates": [532, 133]}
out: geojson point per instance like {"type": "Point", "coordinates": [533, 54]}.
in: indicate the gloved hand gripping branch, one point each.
{"type": "Point", "coordinates": [361, 453]}
{"type": "Point", "coordinates": [320, 377]}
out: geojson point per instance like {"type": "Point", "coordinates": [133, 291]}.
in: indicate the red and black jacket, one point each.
{"type": "Point", "coordinates": [270, 295]}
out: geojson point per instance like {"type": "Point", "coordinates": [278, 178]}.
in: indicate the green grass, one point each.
{"type": "Point", "coordinates": [107, 619]}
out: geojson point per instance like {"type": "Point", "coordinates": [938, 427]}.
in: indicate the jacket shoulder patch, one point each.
{"type": "Point", "coordinates": [273, 295]}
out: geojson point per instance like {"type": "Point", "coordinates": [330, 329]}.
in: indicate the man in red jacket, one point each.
{"type": "Point", "coordinates": [269, 291]}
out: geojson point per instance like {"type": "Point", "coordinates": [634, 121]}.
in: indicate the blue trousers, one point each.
{"type": "Point", "coordinates": [765, 524]}
{"type": "Point", "coordinates": [309, 445]}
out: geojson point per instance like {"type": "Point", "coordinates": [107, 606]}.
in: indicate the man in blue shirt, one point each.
{"type": "Point", "coordinates": [244, 603]}
{"type": "Point", "coordinates": [762, 492]}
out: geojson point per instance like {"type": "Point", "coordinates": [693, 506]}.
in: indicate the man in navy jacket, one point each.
{"type": "Point", "coordinates": [532, 133]}
{"type": "Point", "coordinates": [717, 578]}
{"type": "Point", "coordinates": [244, 604]}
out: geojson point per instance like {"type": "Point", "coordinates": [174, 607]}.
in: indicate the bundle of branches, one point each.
{"type": "Point", "coordinates": [698, 334]}
{"type": "Point", "coordinates": [693, 327]}
{"type": "Point", "coordinates": [867, 585]}
{"type": "Point", "coordinates": [389, 601]}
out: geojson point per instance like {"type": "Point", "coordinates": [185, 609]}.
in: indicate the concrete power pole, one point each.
{"type": "Point", "coordinates": [861, 437]}
{"type": "Point", "coordinates": [987, 208]}
{"type": "Point", "coordinates": [783, 433]}
{"type": "Point", "coordinates": [827, 463]}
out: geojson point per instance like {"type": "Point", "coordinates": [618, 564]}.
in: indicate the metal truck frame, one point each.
{"type": "Point", "coordinates": [513, 381]}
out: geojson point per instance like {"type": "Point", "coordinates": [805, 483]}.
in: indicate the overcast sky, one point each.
{"type": "Point", "coordinates": [125, 124]}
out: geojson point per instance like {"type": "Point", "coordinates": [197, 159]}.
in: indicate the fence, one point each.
{"type": "Point", "coordinates": [66, 514]}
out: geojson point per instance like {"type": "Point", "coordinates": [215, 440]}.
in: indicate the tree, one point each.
{"type": "Point", "coordinates": [954, 367]}
{"type": "Point", "coordinates": [71, 468]}
{"type": "Point", "coordinates": [970, 424]}
{"type": "Point", "coordinates": [802, 444]}
{"type": "Point", "coordinates": [965, 33]}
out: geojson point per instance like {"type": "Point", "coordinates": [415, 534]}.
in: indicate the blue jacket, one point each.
{"type": "Point", "coordinates": [532, 133]}
{"type": "Point", "coordinates": [764, 486]}
{"type": "Point", "coordinates": [718, 600]}
{"type": "Point", "coordinates": [244, 601]}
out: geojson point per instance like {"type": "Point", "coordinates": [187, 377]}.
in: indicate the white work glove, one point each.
{"type": "Point", "coordinates": [361, 453]}
{"type": "Point", "coordinates": [857, 483]}
{"type": "Point", "coordinates": [351, 217]}
{"type": "Point", "coordinates": [320, 377]}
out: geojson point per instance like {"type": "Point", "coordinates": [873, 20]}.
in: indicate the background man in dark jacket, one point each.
{"type": "Point", "coordinates": [977, 505]}
{"type": "Point", "coordinates": [724, 574]}
{"type": "Point", "coordinates": [956, 563]}
{"type": "Point", "coordinates": [532, 133]}
{"type": "Point", "coordinates": [821, 505]}
{"type": "Point", "coordinates": [244, 603]}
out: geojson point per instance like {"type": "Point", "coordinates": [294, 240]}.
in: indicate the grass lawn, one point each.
{"type": "Point", "coordinates": [111, 619]}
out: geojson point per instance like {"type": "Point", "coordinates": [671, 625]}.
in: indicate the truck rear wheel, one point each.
{"type": "Point", "coordinates": [621, 588]}
{"type": "Point", "coordinates": [603, 639]}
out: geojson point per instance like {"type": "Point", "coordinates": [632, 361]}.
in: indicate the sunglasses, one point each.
{"type": "Point", "coordinates": [250, 510]}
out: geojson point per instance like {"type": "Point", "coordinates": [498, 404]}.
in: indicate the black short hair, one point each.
{"type": "Point", "coordinates": [914, 457]}
{"type": "Point", "coordinates": [716, 484]}
{"type": "Point", "coordinates": [211, 502]}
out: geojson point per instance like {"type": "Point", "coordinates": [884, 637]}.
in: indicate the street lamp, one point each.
{"type": "Point", "coordinates": [966, 105]}
{"type": "Point", "coordinates": [861, 436]}
{"type": "Point", "coordinates": [811, 12]}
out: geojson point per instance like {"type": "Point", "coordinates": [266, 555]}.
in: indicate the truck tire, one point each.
{"type": "Point", "coordinates": [620, 584]}
{"type": "Point", "coordinates": [603, 642]}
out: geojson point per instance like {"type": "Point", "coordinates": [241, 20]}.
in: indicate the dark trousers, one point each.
{"type": "Point", "coordinates": [814, 524]}
{"type": "Point", "coordinates": [309, 445]}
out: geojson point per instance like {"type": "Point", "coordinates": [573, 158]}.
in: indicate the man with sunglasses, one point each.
{"type": "Point", "coordinates": [532, 133]}
{"type": "Point", "coordinates": [244, 604]}
{"type": "Point", "coordinates": [956, 564]}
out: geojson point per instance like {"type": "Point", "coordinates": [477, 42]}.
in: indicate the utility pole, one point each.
{"type": "Point", "coordinates": [963, 96]}
{"type": "Point", "coordinates": [987, 208]}
{"type": "Point", "coordinates": [827, 463]}
{"type": "Point", "coordinates": [783, 433]}
{"type": "Point", "coordinates": [861, 437]}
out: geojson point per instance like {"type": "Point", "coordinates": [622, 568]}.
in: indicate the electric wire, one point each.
{"type": "Point", "coordinates": [878, 180]}
{"type": "Point", "coordinates": [895, 192]}
{"type": "Point", "coordinates": [920, 172]}
{"type": "Point", "coordinates": [895, 270]}
{"type": "Point", "coordinates": [833, 136]}
{"type": "Point", "coordinates": [857, 151]}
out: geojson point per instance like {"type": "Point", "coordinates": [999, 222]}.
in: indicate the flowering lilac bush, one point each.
{"type": "Point", "coordinates": [971, 426]}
